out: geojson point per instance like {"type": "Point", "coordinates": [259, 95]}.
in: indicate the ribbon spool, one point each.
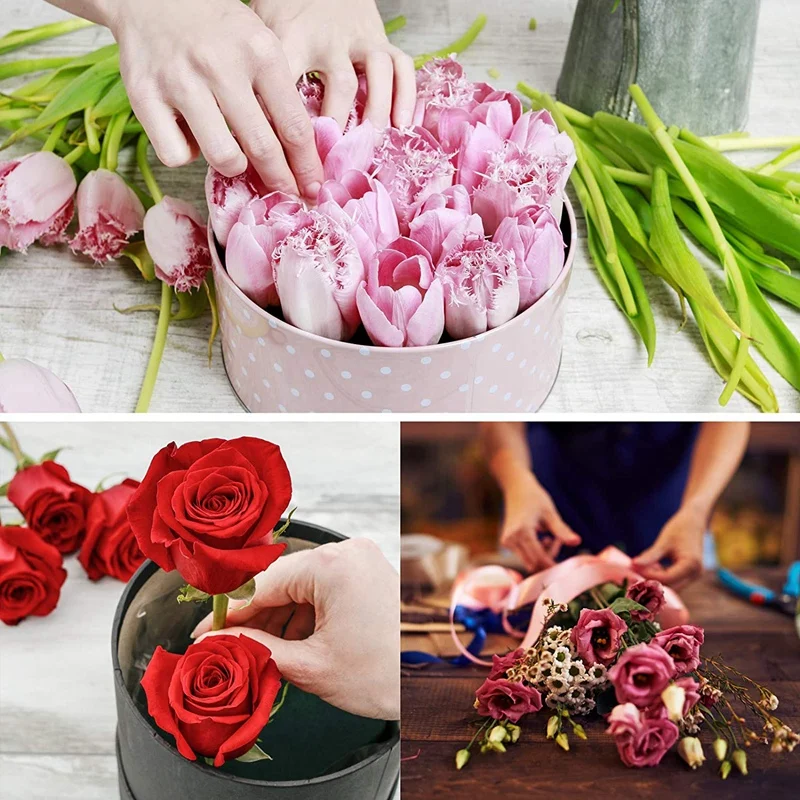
{"type": "Point", "coordinates": [429, 565]}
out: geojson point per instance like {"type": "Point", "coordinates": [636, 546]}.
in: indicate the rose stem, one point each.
{"type": "Point", "coordinates": [13, 445]}
{"type": "Point", "coordinates": [220, 612]}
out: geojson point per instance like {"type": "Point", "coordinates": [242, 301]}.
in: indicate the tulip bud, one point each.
{"type": "Point", "coordinates": [720, 748]}
{"type": "Point", "coordinates": [691, 751]}
{"type": "Point", "coordinates": [725, 770]}
{"type": "Point", "coordinates": [462, 757]}
{"type": "Point", "coordinates": [36, 200]}
{"type": "Point", "coordinates": [109, 214]}
{"type": "Point", "coordinates": [498, 734]}
{"type": "Point", "coordinates": [26, 387]}
{"type": "Point", "coordinates": [514, 731]}
{"type": "Point", "coordinates": [739, 758]}
{"type": "Point", "coordinates": [552, 727]}
{"type": "Point", "coordinates": [673, 698]}
{"type": "Point", "coordinates": [226, 197]}
{"type": "Point", "coordinates": [562, 741]}
{"type": "Point", "coordinates": [175, 236]}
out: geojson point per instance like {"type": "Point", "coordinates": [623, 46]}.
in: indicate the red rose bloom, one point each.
{"type": "Point", "coordinates": [31, 575]}
{"type": "Point", "coordinates": [110, 548]}
{"type": "Point", "coordinates": [208, 509]}
{"type": "Point", "coordinates": [216, 698]}
{"type": "Point", "coordinates": [52, 504]}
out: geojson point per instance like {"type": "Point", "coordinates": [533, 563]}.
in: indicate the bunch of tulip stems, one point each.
{"type": "Point", "coordinates": [637, 185]}
{"type": "Point", "coordinates": [79, 109]}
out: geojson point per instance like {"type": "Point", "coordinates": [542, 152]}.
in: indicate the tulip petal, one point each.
{"type": "Point", "coordinates": [427, 323]}
{"type": "Point", "coordinates": [379, 329]}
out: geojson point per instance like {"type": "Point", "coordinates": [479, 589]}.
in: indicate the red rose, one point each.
{"type": "Point", "coordinates": [208, 509]}
{"type": "Point", "coordinates": [31, 575]}
{"type": "Point", "coordinates": [52, 504]}
{"type": "Point", "coordinates": [110, 548]}
{"type": "Point", "coordinates": [216, 698]}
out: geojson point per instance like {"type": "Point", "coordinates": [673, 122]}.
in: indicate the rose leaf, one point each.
{"type": "Point", "coordinates": [624, 604]}
{"type": "Point", "coordinates": [255, 753]}
{"type": "Point", "coordinates": [188, 594]}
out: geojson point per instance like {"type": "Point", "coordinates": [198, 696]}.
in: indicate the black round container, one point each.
{"type": "Point", "coordinates": [150, 767]}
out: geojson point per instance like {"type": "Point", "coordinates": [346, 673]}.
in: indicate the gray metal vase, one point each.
{"type": "Point", "coordinates": [693, 58]}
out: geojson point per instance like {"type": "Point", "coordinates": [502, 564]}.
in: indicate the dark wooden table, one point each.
{"type": "Point", "coordinates": [437, 715]}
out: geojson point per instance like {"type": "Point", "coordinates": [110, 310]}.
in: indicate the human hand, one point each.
{"type": "Point", "coordinates": [340, 607]}
{"type": "Point", "coordinates": [529, 511]}
{"type": "Point", "coordinates": [681, 542]}
{"type": "Point", "coordinates": [330, 37]}
{"type": "Point", "coordinates": [200, 71]}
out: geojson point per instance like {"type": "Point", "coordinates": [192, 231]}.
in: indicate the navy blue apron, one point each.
{"type": "Point", "coordinates": [613, 483]}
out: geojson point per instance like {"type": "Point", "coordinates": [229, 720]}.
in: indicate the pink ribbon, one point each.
{"type": "Point", "coordinates": [504, 590]}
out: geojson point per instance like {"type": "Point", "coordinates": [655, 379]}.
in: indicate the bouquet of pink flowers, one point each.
{"type": "Point", "coordinates": [604, 652]}
{"type": "Point", "coordinates": [450, 224]}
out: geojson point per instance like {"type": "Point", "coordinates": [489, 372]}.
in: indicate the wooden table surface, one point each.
{"type": "Point", "coordinates": [437, 714]}
{"type": "Point", "coordinates": [57, 710]}
{"type": "Point", "coordinates": [59, 311]}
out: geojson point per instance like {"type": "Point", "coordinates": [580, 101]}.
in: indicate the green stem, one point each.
{"type": "Point", "coordinates": [13, 69]}
{"type": "Point", "coordinates": [55, 135]}
{"type": "Point", "coordinates": [277, 707]}
{"type": "Point", "coordinates": [394, 25]}
{"type": "Point", "coordinates": [729, 142]}
{"type": "Point", "coordinates": [15, 39]}
{"type": "Point", "coordinates": [14, 445]}
{"type": "Point", "coordinates": [220, 614]}
{"type": "Point", "coordinates": [145, 169]}
{"type": "Point", "coordinates": [160, 341]}
{"type": "Point", "coordinates": [787, 157]}
{"type": "Point", "coordinates": [15, 114]}
{"type": "Point", "coordinates": [631, 177]}
{"type": "Point", "coordinates": [458, 46]}
{"type": "Point", "coordinates": [75, 154]}
{"type": "Point", "coordinates": [91, 131]}
{"type": "Point", "coordinates": [113, 139]}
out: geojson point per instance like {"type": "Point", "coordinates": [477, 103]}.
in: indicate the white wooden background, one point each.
{"type": "Point", "coordinates": [58, 310]}
{"type": "Point", "coordinates": [57, 712]}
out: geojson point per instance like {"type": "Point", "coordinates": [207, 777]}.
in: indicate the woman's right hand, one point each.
{"type": "Point", "coordinates": [530, 511]}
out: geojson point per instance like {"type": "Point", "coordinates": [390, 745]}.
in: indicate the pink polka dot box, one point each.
{"type": "Point", "coordinates": [274, 366]}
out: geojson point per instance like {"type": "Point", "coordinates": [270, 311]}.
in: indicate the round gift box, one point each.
{"type": "Point", "coordinates": [274, 366]}
{"type": "Point", "coordinates": [150, 767]}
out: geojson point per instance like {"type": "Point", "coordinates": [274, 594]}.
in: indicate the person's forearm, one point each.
{"type": "Point", "coordinates": [99, 11]}
{"type": "Point", "coordinates": [717, 454]}
{"type": "Point", "coordinates": [507, 451]}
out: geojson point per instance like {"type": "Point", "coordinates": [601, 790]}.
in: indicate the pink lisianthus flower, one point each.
{"type": "Point", "coordinates": [175, 236]}
{"type": "Point", "coordinates": [535, 238]}
{"type": "Point", "coordinates": [26, 387]}
{"type": "Point", "coordinates": [502, 699]}
{"type": "Point", "coordinates": [109, 214]}
{"type": "Point", "coordinates": [641, 673]}
{"type": "Point", "coordinates": [36, 200]}
{"type": "Point", "coordinates": [641, 741]}
{"type": "Point", "coordinates": [226, 197]}
{"type": "Point", "coordinates": [317, 273]}
{"type": "Point", "coordinates": [481, 290]}
{"type": "Point", "coordinates": [649, 594]}
{"type": "Point", "coordinates": [341, 152]}
{"type": "Point", "coordinates": [412, 166]}
{"type": "Point", "coordinates": [249, 257]}
{"type": "Point", "coordinates": [437, 216]}
{"type": "Point", "coordinates": [682, 643]}
{"type": "Point", "coordinates": [597, 635]}
{"type": "Point", "coordinates": [501, 664]}
{"type": "Point", "coordinates": [401, 303]}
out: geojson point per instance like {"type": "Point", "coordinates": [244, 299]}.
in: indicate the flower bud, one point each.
{"type": "Point", "coordinates": [579, 732]}
{"type": "Point", "coordinates": [498, 747]}
{"type": "Point", "coordinates": [552, 727]}
{"type": "Point", "coordinates": [739, 758]}
{"type": "Point", "coordinates": [674, 697]}
{"type": "Point", "coordinates": [498, 734]}
{"type": "Point", "coordinates": [725, 769]}
{"type": "Point", "coordinates": [562, 741]}
{"type": "Point", "coordinates": [514, 731]}
{"type": "Point", "coordinates": [462, 757]}
{"type": "Point", "coordinates": [691, 751]}
{"type": "Point", "coordinates": [720, 748]}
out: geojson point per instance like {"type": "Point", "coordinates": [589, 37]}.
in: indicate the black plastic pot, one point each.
{"type": "Point", "coordinates": [365, 753]}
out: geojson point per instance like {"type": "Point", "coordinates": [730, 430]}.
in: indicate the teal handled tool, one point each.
{"type": "Point", "coordinates": [785, 600]}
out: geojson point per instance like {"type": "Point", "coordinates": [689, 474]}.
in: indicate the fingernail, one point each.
{"type": "Point", "coordinates": [312, 190]}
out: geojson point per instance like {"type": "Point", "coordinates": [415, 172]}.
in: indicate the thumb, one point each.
{"type": "Point", "coordinates": [651, 556]}
{"type": "Point", "coordinates": [561, 530]}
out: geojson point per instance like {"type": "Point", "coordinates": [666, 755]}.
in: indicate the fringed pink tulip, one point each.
{"type": "Point", "coordinates": [412, 166]}
{"type": "Point", "coordinates": [312, 91]}
{"type": "Point", "coordinates": [36, 200]}
{"type": "Point", "coordinates": [538, 246]}
{"type": "Point", "coordinates": [109, 214]}
{"type": "Point", "coordinates": [402, 303]}
{"type": "Point", "coordinates": [342, 152]}
{"type": "Point", "coordinates": [437, 216]}
{"type": "Point", "coordinates": [481, 290]}
{"type": "Point", "coordinates": [317, 274]}
{"type": "Point", "coordinates": [26, 387]}
{"type": "Point", "coordinates": [249, 258]}
{"type": "Point", "coordinates": [175, 236]}
{"type": "Point", "coordinates": [226, 197]}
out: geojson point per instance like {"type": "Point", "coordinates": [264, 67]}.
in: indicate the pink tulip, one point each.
{"type": "Point", "coordinates": [412, 166]}
{"type": "Point", "coordinates": [437, 216]}
{"type": "Point", "coordinates": [342, 152]}
{"type": "Point", "coordinates": [249, 258]}
{"type": "Point", "coordinates": [175, 235]}
{"type": "Point", "coordinates": [36, 200]}
{"type": "Point", "coordinates": [480, 281]}
{"type": "Point", "coordinates": [109, 214]}
{"type": "Point", "coordinates": [317, 274]}
{"type": "Point", "coordinates": [538, 246]}
{"type": "Point", "coordinates": [312, 92]}
{"type": "Point", "coordinates": [226, 197]}
{"type": "Point", "coordinates": [402, 303]}
{"type": "Point", "coordinates": [26, 387]}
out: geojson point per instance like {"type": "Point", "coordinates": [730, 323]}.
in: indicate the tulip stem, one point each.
{"type": "Point", "coordinates": [55, 135]}
{"type": "Point", "coordinates": [113, 139]}
{"type": "Point", "coordinates": [220, 612]}
{"type": "Point", "coordinates": [75, 154]}
{"type": "Point", "coordinates": [11, 443]}
{"type": "Point", "coordinates": [144, 168]}
{"type": "Point", "coordinates": [160, 341]}
{"type": "Point", "coordinates": [458, 46]}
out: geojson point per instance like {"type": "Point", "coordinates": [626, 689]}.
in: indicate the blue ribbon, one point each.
{"type": "Point", "coordinates": [480, 624]}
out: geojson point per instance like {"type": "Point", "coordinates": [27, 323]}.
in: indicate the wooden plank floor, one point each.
{"type": "Point", "coordinates": [437, 715]}
{"type": "Point", "coordinates": [57, 711]}
{"type": "Point", "coordinates": [58, 310]}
